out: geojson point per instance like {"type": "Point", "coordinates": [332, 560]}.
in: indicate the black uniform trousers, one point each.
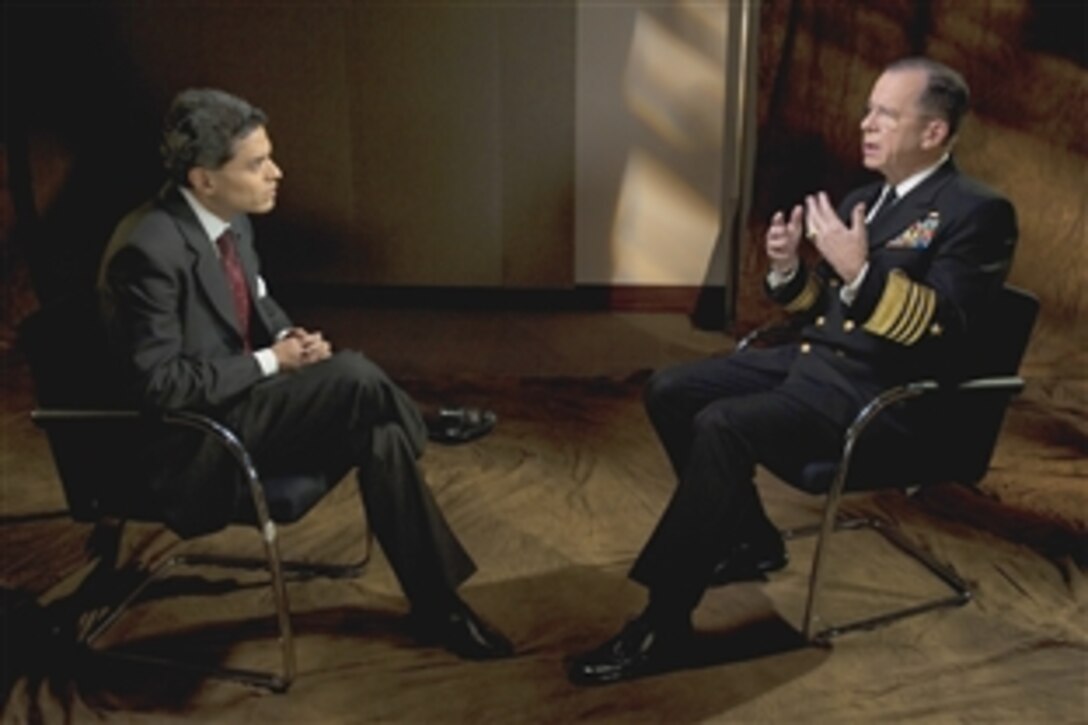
{"type": "Point", "coordinates": [717, 419]}
{"type": "Point", "coordinates": [342, 412]}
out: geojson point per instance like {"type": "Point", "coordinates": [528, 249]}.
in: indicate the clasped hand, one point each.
{"type": "Point", "coordinates": [299, 348]}
{"type": "Point", "coordinates": [846, 248]}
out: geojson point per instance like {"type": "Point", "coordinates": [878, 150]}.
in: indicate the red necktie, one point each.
{"type": "Point", "coordinates": [239, 291]}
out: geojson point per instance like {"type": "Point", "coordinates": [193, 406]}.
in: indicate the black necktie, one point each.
{"type": "Point", "coordinates": [236, 280]}
{"type": "Point", "coordinates": [887, 201]}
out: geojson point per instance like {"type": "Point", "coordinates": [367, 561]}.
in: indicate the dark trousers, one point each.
{"type": "Point", "coordinates": [346, 411]}
{"type": "Point", "coordinates": [717, 418]}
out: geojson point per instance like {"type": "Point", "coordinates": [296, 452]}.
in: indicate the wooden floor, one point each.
{"type": "Point", "coordinates": [554, 505]}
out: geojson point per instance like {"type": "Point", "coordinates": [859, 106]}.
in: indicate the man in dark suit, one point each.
{"type": "Point", "coordinates": [194, 328]}
{"type": "Point", "coordinates": [906, 265]}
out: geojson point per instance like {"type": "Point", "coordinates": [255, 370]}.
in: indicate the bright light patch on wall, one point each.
{"type": "Point", "coordinates": [712, 20]}
{"type": "Point", "coordinates": [674, 88]}
{"type": "Point", "coordinates": [664, 230]}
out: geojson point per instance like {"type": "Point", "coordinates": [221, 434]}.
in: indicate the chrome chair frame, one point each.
{"type": "Point", "coordinates": [831, 520]}
{"type": "Point", "coordinates": [278, 569]}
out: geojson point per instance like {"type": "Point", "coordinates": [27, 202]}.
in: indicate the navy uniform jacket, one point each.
{"type": "Point", "coordinates": [935, 259]}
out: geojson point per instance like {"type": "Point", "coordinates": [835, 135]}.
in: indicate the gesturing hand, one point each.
{"type": "Point", "coordinates": [783, 239]}
{"type": "Point", "coordinates": [846, 249]}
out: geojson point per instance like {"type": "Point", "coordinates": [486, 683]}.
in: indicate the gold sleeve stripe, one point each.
{"type": "Point", "coordinates": [905, 310]}
{"type": "Point", "coordinates": [904, 324]}
{"type": "Point", "coordinates": [916, 316]}
{"type": "Point", "coordinates": [806, 297]}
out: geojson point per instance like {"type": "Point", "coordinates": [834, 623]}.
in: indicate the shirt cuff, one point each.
{"type": "Point", "coordinates": [849, 292]}
{"type": "Point", "coordinates": [267, 361]}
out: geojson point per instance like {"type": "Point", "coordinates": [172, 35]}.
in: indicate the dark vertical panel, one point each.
{"type": "Point", "coordinates": [82, 135]}
{"type": "Point", "coordinates": [424, 109]}
{"type": "Point", "coordinates": [289, 60]}
{"type": "Point", "coordinates": [536, 58]}
{"type": "Point", "coordinates": [417, 141]}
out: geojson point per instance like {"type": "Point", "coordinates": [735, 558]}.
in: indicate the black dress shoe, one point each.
{"type": "Point", "coordinates": [640, 649]}
{"type": "Point", "coordinates": [461, 631]}
{"type": "Point", "coordinates": [750, 562]}
{"type": "Point", "coordinates": [460, 425]}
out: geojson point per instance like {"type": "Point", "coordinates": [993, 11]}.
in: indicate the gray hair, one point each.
{"type": "Point", "coordinates": [946, 94]}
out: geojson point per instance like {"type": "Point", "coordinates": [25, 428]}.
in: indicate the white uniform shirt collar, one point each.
{"type": "Point", "coordinates": [908, 184]}
{"type": "Point", "coordinates": [212, 225]}
{"type": "Point", "coordinates": [903, 188]}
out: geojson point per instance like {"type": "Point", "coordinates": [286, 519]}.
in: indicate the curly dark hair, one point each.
{"type": "Point", "coordinates": [201, 128]}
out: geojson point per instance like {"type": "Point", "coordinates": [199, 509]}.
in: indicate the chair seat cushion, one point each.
{"type": "Point", "coordinates": [816, 477]}
{"type": "Point", "coordinates": [289, 497]}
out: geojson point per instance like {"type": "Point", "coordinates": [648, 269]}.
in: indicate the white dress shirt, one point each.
{"type": "Point", "coordinates": [214, 227]}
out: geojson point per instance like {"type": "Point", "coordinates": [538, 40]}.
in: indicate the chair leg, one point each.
{"type": "Point", "coordinates": [168, 560]}
{"type": "Point", "coordinates": [831, 523]}
{"type": "Point", "coordinates": [294, 571]}
{"type": "Point", "coordinates": [279, 572]}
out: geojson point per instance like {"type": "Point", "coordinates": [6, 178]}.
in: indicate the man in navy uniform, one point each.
{"type": "Point", "coordinates": [906, 265]}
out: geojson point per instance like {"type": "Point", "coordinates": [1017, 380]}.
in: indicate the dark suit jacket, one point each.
{"type": "Point", "coordinates": [168, 310]}
{"type": "Point", "coordinates": [174, 334]}
{"type": "Point", "coordinates": [934, 261]}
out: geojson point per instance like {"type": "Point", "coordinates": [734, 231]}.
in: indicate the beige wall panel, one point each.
{"type": "Point", "coordinates": [650, 104]}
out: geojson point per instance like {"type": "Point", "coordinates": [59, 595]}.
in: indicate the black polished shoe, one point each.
{"type": "Point", "coordinates": [750, 562]}
{"type": "Point", "coordinates": [639, 650]}
{"type": "Point", "coordinates": [461, 631]}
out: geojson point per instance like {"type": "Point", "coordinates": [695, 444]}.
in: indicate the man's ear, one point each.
{"type": "Point", "coordinates": [200, 181]}
{"type": "Point", "coordinates": [935, 133]}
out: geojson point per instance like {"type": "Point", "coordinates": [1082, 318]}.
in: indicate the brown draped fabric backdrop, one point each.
{"type": "Point", "coordinates": [1026, 64]}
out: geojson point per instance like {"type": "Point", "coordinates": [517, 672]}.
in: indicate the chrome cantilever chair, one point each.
{"type": "Point", "coordinates": [968, 415]}
{"type": "Point", "coordinates": [92, 440]}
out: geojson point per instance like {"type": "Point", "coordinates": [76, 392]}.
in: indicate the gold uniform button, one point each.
{"type": "Point", "coordinates": [848, 325]}
{"type": "Point", "coordinates": [820, 321]}
{"type": "Point", "coordinates": [935, 329]}
{"type": "Point", "coordinates": [805, 348]}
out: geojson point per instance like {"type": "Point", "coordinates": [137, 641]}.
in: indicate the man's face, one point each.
{"type": "Point", "coordinates": [897, 137]}
{"type": "Point", "coordinates": [244, 185]}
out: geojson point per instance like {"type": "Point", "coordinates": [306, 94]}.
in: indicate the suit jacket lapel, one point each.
{"type": "Point", "coordinates": [207, 270]}
{"type": "Point", "coordinates": [248, 257]}
{"type": "Point", "coordinates": [910, 208]}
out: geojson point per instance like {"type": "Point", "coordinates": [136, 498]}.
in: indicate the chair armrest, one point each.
{"type": "Point", "coordinates": [1009, 384]}
{"type": "Point", "coordinates": [769, 334]}
{"type": "Point", "coordinates": [205, 425]}
{"type": "Point", "coordinates": [1005, 385]}
{"type": "Point", "coordinates": [43, 417]}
